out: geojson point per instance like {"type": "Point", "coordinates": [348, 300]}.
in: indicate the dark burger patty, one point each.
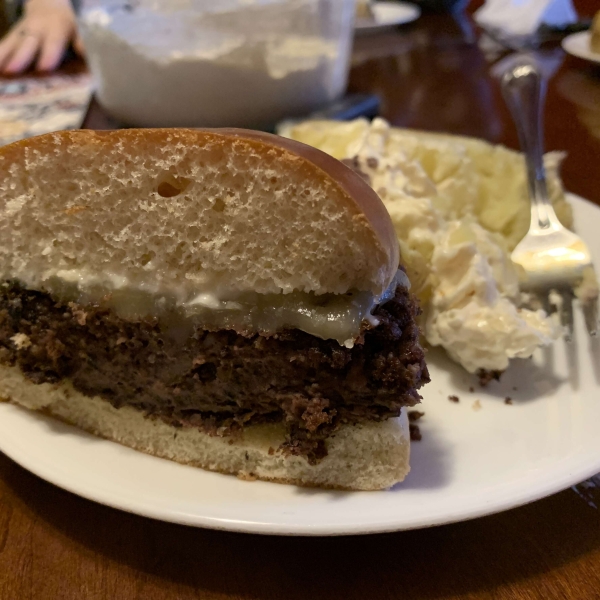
{"type": "Point", "coordinates": [220, 381]}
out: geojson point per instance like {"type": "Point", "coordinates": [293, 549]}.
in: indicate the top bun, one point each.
{"type": "Point", "coordinates": [188, 211]}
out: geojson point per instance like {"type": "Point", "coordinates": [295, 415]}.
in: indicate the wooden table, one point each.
{"type": "Point", "coordinates": [54, 545]}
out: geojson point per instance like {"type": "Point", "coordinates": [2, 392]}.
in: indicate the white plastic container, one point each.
{"type": "Point", "coordinates": [215, 63]}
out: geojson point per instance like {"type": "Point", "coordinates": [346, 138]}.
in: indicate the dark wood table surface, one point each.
{"type": "Point", "coordinates": [53, 545]}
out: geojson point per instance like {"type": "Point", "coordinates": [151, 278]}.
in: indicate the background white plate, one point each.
{"type": "Point", "coordinates": [578, 44]}
{"type": "Point", "coordinates": [469, 462]}
{"type": "Point", "coordinates": [388, 14]}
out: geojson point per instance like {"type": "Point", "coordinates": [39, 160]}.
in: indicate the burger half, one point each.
{"type": "Point", "coordinates": [225, 299]}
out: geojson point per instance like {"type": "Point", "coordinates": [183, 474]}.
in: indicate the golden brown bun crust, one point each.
{"type": "Point", "coordinates": [357, 190]}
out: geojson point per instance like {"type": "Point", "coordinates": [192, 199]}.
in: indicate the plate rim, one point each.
{"type": "Point", "coordinates": [234, 525]}
{"type": "Point", "coordinates": [367, 26]}
{"type": "Point", "coordinates": [573, 38]}
{"type": "Point", "coordinates": [141, 507]}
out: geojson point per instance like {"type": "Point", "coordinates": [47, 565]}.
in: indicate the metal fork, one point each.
{"type": "Point", "coordinates": [555, 261]}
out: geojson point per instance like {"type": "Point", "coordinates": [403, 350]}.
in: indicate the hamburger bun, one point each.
{"type": "Point", "coordinates": [190, 214]}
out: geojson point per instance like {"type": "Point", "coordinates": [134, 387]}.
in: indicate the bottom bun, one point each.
{"type": "Point", "coordinates": [368, 456]}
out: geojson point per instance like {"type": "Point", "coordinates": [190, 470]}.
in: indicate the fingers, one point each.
{"type": "Point", "coordinates": [38, 36]}
{"type": "Point", "coordinates": [24, 54]}
{"type": "Point", "coordinates": [8, 44]}
{"type": "Point", "coordinates": [53, 49]}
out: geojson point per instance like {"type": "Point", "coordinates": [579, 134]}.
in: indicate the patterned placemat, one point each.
{"type": "Point", "coordinates": [34, 105]}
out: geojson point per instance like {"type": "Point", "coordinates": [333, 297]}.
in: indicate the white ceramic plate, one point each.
{"type": "Point", "coordinates": [578, 44]}
{"type": "Point", "coordinates": [388, 14]}
{"type": "Point", "coordinates": [469, 463]}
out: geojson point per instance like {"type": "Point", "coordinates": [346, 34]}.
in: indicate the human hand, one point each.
{"type": "Point", "coordinates": [43, 32]}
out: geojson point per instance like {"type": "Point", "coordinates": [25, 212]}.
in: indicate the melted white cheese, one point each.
{"type": "Point", "coordinates": [327, 316]}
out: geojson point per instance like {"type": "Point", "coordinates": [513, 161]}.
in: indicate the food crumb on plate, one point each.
{"type": "Point", "coordinates": [477, 405]}
{"type": "Point", "coordinates": [508, 400]}
{"type": "Point", "coordinates": [486, 376]}
{"type": "Point", "coordinates": [415, 415]}
{"type": "Point", "coordinates": [415, 432]}
{"type": "Point", "coordinates": [454, 399]}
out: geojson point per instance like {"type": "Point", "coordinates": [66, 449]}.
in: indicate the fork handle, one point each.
{"type": "Point", "coordinates": [524, 90]}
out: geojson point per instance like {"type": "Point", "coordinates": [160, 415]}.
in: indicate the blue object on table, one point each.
{"type": "Point", "coordinates": [350, 107]}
